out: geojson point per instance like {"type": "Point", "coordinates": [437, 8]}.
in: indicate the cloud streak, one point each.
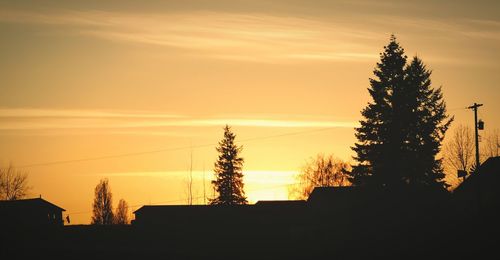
{"type": "Point", "coordinates": [249, 37]}
{"type": "Point", "coordinates": [260, 36]}
{"type": "Point", "coordinates": [71, 113]}
{"type": "Point", "coordinates": [253, 37]}
{"type": "Point", "coordinates": [50, 119]}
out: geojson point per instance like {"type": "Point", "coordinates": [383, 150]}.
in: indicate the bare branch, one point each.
{"type": "Point", "coordinates": [121, 213]}
{"type": "Point", "coordinates": [323, 171]}
{"type": "Point", "coordinates": [13, 184]}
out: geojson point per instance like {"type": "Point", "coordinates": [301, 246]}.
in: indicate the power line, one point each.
{"type": "Point", "coordinates": [456, 108]}
{"type": "Point", "coordinates": [166, 149]}
{"type": "Point", "coordinates": [177, 200]}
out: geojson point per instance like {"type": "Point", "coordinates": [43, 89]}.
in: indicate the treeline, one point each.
{"type": "Point", "coordinates": [401, 135]}
{"type": "Point", "coordinates": [102, 213]}
{"type": "Point", "coordinates": [398, 145]}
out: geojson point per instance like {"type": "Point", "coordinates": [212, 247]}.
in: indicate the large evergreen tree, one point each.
{"type": "Point", "coordinates": [403, 126]}
{"type": "Point", "coordinates": [376, 133]}
{"type": "Point", "coordinates": [228, 172]}
{"type": "Point", "coordinates": [428, 123]}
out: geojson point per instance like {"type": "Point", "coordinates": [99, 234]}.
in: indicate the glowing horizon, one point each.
{"type": "Point", "coordinates": [83, 82]}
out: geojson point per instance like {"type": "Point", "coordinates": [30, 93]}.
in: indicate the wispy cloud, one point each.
{"type": "Point", "coordinates": [50, 119]}
{"type": "Point", "coordinates": [250, 37]}
{"type": "Point", "coordinates": [38, 113]}
{"type": "Point", "coordinates": [271, 123]}
{"type": "Point", "coordinates": [255, 37]}
{"type": "Point", "coordinates": [458, 28]}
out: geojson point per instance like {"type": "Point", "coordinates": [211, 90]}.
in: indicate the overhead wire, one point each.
{"type": "Point", "coordinates": [178, 200]}
{"type": "Point", "coordinates": [166, 149]}
{"type": "Point", "coordinates": [104, 157]}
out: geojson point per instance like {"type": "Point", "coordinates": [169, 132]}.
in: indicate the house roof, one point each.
{"type": "Point", "coordinates": [327, 193]}
{"type": "Point", "coordinates": [488, 174]}
{"type": "Point", "coordinates": [274, 203]}
{"type": "Point", "coordinates": [35, 202]}
{"type": "Point", "coordinates": [168, 207]}
{"type": "Point", "coordinates": [279, 203]}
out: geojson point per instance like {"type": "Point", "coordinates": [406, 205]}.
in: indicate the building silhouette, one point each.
{"type": "Point", "coordinates": [479, 193]}
{"type": "Point", "coordinates": [30, 213]}
{"type": "Point", "coordinates": [333, 223]}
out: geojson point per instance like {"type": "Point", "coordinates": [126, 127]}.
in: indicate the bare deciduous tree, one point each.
{"type": "Point", "coordinates": [459, 150]}
{"type": "Point", "coordinates": [322, 171]}
{"type": "Point", "coordinates": [459, 154]}
{"type": "Point", "coordinates": [103, 203]}
{"type": "Point", "coordinates": [13, 184]}
{"type": "Point", "coordinates": [190, 183]}
{"type": "Point", "coordinates": [491, 144]}
{"type": "Point", "coordinates": [121, 213]}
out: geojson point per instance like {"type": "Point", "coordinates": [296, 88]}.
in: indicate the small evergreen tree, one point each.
{"type": "Point", "coordinates": [103, 204]}
{"type": "Point", "coordinates": [401, 135]}
{"type": "Point", "coordinates": [228, 172]}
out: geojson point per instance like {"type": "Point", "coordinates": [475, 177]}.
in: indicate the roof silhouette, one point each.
{"type": "Point", "coordinates": [487, 177]}
{"type": "Point", "coordinates": [34, 202]}
{"type": "Point", "coordinates": [279, 203]}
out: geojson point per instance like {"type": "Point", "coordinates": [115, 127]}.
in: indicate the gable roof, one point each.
{"type": "Point", "coordinates": [488, 175]}
{"type": "Point", "coordinates": [157, 208]}
{"type": "Point", "coordinates": [260, 203]}
{"type": "Point", "coordinates": [280, 203]}
{"type": "Point", "coordinates": [27, 203]}
{"type": "Point", "coordinates": [321, 194]}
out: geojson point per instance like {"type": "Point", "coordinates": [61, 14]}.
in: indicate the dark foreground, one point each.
{"type": "Point", "coordinates": [394, 230]}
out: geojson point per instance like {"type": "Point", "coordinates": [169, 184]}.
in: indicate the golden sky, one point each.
{"type": "Point", "coordinates": [133, 90]}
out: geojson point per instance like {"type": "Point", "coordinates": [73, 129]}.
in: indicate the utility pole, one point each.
{"type": "Point", "coordinates": [475, 107]}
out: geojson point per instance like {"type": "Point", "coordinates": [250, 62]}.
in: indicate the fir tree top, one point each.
{"type": "Point", "coordinates": [228, 172]}
{"type": "Point", "coordinates": [403, 126]}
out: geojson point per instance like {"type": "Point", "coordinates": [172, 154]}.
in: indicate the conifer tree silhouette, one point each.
{"type": "Point", "coordinates": [403, 126]}
{"type": "Point", "coordinates": [228, 181]}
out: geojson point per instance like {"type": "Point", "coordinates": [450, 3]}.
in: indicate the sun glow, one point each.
{"type": "Point", "coordinates": [171, 188]}
{"type": "Point", "coordinates": [137, 93]}
{"type": "Point", "coordinates": [259, 184]}
{"type": "Point", "coordinates": [268, 185]}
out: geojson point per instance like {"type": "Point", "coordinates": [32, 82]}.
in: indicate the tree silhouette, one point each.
{"type": "Point", "coordinates": [322, 171]}
{"type": "Point", "coordinates": [374, 152]}
{"type": "Point", "coordinates": [13, 184]}
{"type": "Point", "coordinates": [491, 144]}
{"type": "Point", "coordinates": [459, 150]}
{"type": "Point", "coordinates": [427, 123]}
{"type": "Point", "coordinates": [228, 172]}
{"type": "Point", "coordinates": [121, 213]}
{"type": "Point", "coordinates": [403, 126]}
{"type": "Point", "coordinates": [103, 204]}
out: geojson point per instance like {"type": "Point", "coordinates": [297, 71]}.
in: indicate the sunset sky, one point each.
{"type": "Point", "coordinates": [132, 90]}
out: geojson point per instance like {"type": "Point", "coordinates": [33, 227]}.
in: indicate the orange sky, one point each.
{"type": "Point", "coordinates": [94, 79]}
